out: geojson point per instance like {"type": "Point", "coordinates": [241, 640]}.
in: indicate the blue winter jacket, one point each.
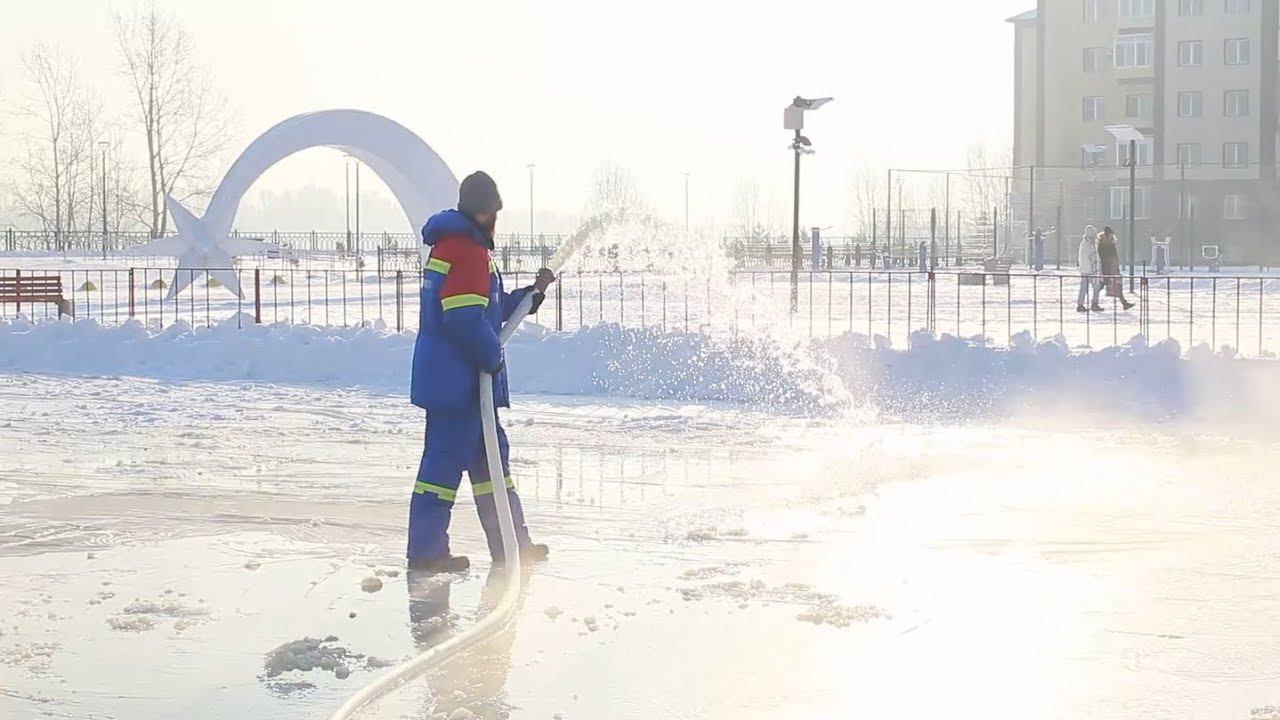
{"type": "Point", "coordinates": [463, 306]}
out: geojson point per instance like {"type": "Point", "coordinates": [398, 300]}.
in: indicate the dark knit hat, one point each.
{"type": "Point", "coordinates": [479, 194]}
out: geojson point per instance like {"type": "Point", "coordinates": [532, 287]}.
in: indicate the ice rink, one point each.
{"type": "Point", "coordinates": [161, 542]}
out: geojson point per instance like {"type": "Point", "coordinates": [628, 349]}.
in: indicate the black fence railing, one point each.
{"type": "Point", "coordinates": [1240, 312]}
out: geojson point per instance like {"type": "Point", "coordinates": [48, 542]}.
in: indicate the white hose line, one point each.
{"type": "Point", "coordinates": [501, 614]}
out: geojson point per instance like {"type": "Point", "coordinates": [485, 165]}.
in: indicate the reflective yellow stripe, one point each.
{"type": "Point", "coordinates": [444, 493]}
{"type": "Point", "coordinates": [439, 266]}
{"type": "Point", "coordinates": [486, 488]}
{"type": "Point", "coordinates": [461, 301]}
{"type": "Point", "coordinates": [493, 266]}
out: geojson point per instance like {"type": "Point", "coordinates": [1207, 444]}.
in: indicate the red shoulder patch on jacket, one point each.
{"type": "Point", "coordinates": [468, 266]}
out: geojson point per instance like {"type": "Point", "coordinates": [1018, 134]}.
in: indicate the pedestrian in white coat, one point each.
{"type": "Point", "coordinates": [1090, 273]}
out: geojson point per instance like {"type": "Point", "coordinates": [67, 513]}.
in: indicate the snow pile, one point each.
{"type": "Point", "coordinates": [934, 378]}
{"type": "Point", "coordinates": [601, 360]}
{"type": "Point", "coordinates": [953, 378]}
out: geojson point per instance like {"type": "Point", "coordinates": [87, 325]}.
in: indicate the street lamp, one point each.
{"type": "Point", "coordinates": [346, 177]}
{"type": "Point", "coordinates": [103, 145]}
{"type": "Point", "coordinates": [531, 166]}
{"type": "Point", "coordinates": [353, 247]}
{"type": "Point", "coordinates": [686, 204]}
{"type": "Point", "coordinates": [1130, 134]}
{"type": "Point", "coordinates": [793, 119]}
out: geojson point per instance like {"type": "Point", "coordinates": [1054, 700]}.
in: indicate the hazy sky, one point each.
{"type": "Point", "coordinates": [659, 87]}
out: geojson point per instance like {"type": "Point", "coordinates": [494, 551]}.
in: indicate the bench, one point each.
{"type": "Point", "coordinates": [998, 269]}
{"type": "Point", "coordinates": [21, 289]}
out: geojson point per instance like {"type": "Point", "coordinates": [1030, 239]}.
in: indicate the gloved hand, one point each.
{"type": "Point", "coordinates": [502, 365]}
{"type": "Point", "coordinates": [543, 280]}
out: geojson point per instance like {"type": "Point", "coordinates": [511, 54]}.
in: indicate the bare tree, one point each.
{"type": "Point", "coordinates": [614, 190]}
{"type": "Point", "coordinates": [181, 116]}
{"type": "Point", "coordinates": [52, 183]}
{"type": "Point", "coordinates": [753, 219]}
{"type": "Point", "coordinates": [868, 206]}
{"type": "Point", "coordinates": [986, 180]}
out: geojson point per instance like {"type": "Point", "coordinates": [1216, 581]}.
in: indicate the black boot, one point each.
{"type": "Point", "coordinates": [1096, 308]}
{"type": "Point", "coordinates": [1081, 308]}
{"type": "Point", "coordinates": [529, 554]}
{"type": "Point", "coordinates": [534, 552]}
{"type": "Point", "coordinates": [1126, 304]}
{"type": "Point", "coordinates": [446, 564]}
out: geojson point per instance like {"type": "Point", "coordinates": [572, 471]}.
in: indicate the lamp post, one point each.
{"type": "Point", "coordinates": [531, 166]}
{"type": "Point", "coordinates": [346, 178]}
{"type": "Point", "coordinates": [686, 204]}
{"type": "Point", "coordinates": [103, 145]}
{"type": "Point", "coordinates": [793, 119]}
{"type": "Point", "coordinates": [1129, 134]}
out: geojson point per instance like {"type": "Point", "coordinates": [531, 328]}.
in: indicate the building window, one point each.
{"type": "Point", "coordinates": [1095, 59]}
{"type": "Point", "coordinates": [1134, 51]}
{"type": "Point", "coordinates": [1091, 208]}
{"type": "Point", "coordinates": [1146, 153]}
{"type": "Point", "coordinates": [1237, 52]}
{"type": "Point", "coordinates": [1233, 207]}
{"type": "Point", "coordinates": [1237, 7]}
{"type": "Point", "coordinates": [1187, 207]}
{"type": "Point", "coordinates": [1120, 203]}
{"type": "Point", "coordinates": [1235, 155]}
{"type": "Point", "coordinates": [1137, 8]}
{"type": "Point", "coordinates": [1092, 11]}
{"type": "Point", "coordinates": [1190, 104]}
{"type": "Point", "coordinates": [1094, 109]}
{"type": "Point", "coordinates": [1190, 53]}
{"type": "Point", "coordinates": [1190, 8]}
{"type": "Point", "coordinates": [1236, 103]}
{"type": "Point", "coordinates": [1091, 155]}
{"type": "Point", "coordinates": [1139, 107]}
{"type": "Point", "coordinates": [1190, 154]}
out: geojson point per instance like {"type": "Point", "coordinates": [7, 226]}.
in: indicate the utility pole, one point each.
{"type": "Point", "coordinates": [1184, 209]}
{"type": "Point", "coordinates": [1133, 210]}
{"type": "Point", "coordinates": [888, 216]}
{"type": "Point", "coordinates": [103, 144]}
{"type": "Point", "coordinates": [358, 239]}
{"type": "Point", "coordinates": [531, 167]}
{"type": "Point", "coordinates": [795, 230]}
{"type": "Point", "coordinates": [346, 177]}
{"type": "Point", "coordinates": [686, 204]}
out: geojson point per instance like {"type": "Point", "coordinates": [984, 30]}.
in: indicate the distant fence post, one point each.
{"type": "Point", "coordinates": [131, 292]}
{"type": "Point", "coordinates": [399, 301]}
{"type": "Point", "coordinates": [257, 295]}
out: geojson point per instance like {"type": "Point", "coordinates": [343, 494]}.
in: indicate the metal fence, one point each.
{"type": "Point", "coordinates": [993, 308]}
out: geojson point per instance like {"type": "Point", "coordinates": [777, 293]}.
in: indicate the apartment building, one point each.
{"type": "Point", "coordinates": [1197, 78]}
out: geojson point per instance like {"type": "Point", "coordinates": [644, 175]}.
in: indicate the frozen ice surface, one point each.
{"type": "Point", "coordinates": [904, 555]}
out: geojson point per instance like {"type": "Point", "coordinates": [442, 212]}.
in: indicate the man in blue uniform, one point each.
{"type": "Point", "coordinates": [463, 306]}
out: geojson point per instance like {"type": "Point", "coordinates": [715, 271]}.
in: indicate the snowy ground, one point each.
{"type": "Point", "coordinates": [162, 539]}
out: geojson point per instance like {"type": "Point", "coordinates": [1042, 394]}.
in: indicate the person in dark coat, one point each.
{"type": "Point", "coordinates": [1109, 258]}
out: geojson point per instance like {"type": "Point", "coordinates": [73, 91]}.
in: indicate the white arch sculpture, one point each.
{"type": "Point", "coordinates": [415, 174]}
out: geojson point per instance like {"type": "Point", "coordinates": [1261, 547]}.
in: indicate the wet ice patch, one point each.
{"type": "Point", "coordinates": [308, 654]}
{"type": "Point", "coordinates": [820, 608]}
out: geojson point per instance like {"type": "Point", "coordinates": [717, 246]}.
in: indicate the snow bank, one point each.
{"type": "Point", "coordinates": [602, 360]}
{"type": "Point", "coordinates": [935, 378]}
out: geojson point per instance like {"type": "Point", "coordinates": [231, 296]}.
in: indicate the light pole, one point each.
{"type": "Point", "coordinates": [358, 239]}
{"type": "Point", "coordinates": [793, 119]}
{"type": "Point", "coordinates": [1129, 134]}
{"type": "Point", "coordinates": [531, 166]}
{"type": "Point", "coordinates": [346, 177]}
{"type": "Point", "coordinates": [103, 145]}
{"type": "Point", "coordinates": [686, 204]}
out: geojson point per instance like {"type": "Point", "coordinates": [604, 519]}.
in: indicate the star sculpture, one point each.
{"type": "Point", "coordinates": [201, 252]}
